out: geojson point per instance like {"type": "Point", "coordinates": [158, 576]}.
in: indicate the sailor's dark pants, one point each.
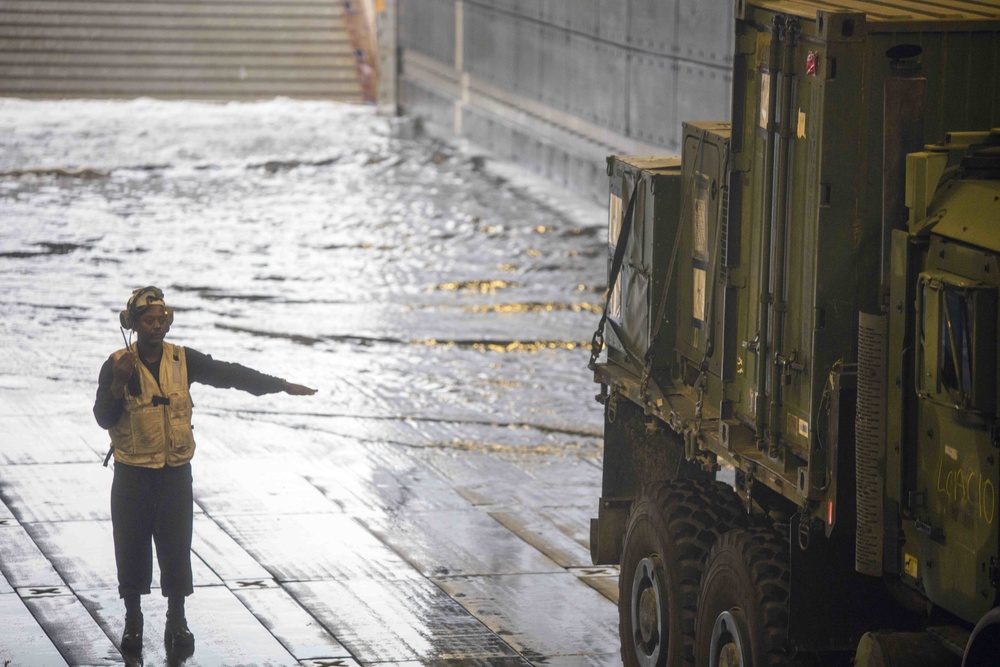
{"type": "Point", "coordinates": [152, 506]}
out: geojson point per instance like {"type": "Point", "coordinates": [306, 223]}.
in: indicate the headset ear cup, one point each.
{"type": "Point", "coordinates": [125, 316]}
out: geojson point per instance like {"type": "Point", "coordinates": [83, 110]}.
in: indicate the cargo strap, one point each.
{"type": "Point", "coordinates": [597, 342]}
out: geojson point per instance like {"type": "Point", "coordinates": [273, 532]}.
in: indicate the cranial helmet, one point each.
{"type": "Point", "coordinates": [140, 300]}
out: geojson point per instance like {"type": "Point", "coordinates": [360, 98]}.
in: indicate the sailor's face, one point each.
{"type": "Point", "coordinates": [152, 325]}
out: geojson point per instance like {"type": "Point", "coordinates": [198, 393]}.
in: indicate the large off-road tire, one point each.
{"type": "Point", "coordinates": [983, 649]}
{"type": "Point", "coordinates": [743, 604]}
{"type": "Point", "coordinates": [671, 529]}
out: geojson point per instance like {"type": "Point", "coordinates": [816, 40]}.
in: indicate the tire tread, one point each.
{"type": "Point", "coordinates": [696, 513]}
{"type": "Point", "coordinates": [765, 552]}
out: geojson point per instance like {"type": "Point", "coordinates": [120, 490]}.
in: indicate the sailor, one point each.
{"type": "Point", "coordinates": [143, 400]}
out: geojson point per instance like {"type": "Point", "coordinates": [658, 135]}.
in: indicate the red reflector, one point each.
{"type": "Point", "coordinates": [829, 512]}
{"type": "Point", "coordinates": [811, 60]}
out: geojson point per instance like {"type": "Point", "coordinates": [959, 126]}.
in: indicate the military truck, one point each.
{"type": "Point", "coordinates": [798, 352]}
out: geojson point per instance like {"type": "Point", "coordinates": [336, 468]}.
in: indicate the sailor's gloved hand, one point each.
{"type": "Point", "coordinates": [121, 371]}
{"type": "Point", "coordinates": [296, 389]}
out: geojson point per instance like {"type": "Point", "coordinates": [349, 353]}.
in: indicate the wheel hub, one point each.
{"type": "Point", "coordinates": [648, 616]}
{"type": "Point", "coordinates": [649, 612]}
{"type": "Point", "coordinates": [730, 640]}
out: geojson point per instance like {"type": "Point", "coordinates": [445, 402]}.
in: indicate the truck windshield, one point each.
{"type": "Point", "coordinates": [955, 357]}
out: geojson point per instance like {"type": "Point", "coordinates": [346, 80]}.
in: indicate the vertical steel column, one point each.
{"type": "Point", "coordinates": [387, 37]}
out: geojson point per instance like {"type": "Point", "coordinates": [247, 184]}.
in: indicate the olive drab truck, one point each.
{"type": "Point", "coordinates": [798, 352]}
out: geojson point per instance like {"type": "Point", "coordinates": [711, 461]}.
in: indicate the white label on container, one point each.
{"type": "Point", "coordinates": [614, 218]}
{"type": "Point", "coordinates": [698, 306]}
{"type": "Point", "coordinates": [765, 98]}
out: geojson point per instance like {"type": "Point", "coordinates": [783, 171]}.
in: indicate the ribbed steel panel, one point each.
{"type": "Point", "coordinates": [476, 127]}
{"type": "Point", "coordinates": [612, 21]}
{"type": "Point", "coordinates": [582, 89]}
{"type": "Point", "coordinates": [479, 43]}
{"type": "Point", "coordinates": [610, 74]}
{"type": "Point", "coordinates": [556, 12]}
{"type": "Point", "coordinates": [215, 49]}
{"type": "Point", "coordinates": [706, 92]}
{"type": "Point", "coordinates": [505, 5]}
{"type": "Point", "coordinates": [585, 174]}
{"type": "Point", "coordinates": [528, 59]}
{"type": "Point", "coordinates": [437, 106]}
{"type": "Point", "coordinates": [653, 26]}
{"type": "Point", "coordinates": [556, 164]}
{"type": "Point", "coordinates": [610, 77]}
{"type": "Point", "coordinates": [704, 33]}
{"type": "Point", "coordinates": [428, 27]}
{"type": "Point", "coordinates": [653, 108]}
{"type": "Point", "coordinates": [529, 8]}
{"type": "Point", "coordinates": [490, 43]}
{"type": "Point", "coordinates": [501, 137]}
{"type": "Point", "coordinates": [583, 16]}
{"type": "Point", "coordinates": [576, 15]}
{"type": "Point", "coordinates": [528, 148]}
{"type": "Point", "coordinates": [598, 82]}
{"type": "Point", "coordinates": [504, 65]}
{"type": "Point", "coordinates": [556, 66]}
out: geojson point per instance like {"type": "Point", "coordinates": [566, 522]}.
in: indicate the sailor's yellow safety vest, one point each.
{"type": "Point", "coordinates": [155, 428]}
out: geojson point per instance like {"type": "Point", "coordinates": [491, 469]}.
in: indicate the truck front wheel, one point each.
{"type": "Point", "coordinates": [981, 650]}
{"type": "Point", "coordinates": [671, 528]}
{"type": "Point", "coordinates": [743, 605]}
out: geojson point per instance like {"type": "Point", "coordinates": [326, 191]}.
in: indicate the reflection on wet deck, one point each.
{"type": "Point", "coordinates": [430, 506]}
{"type": "Point", "coordinates": [385, 555]}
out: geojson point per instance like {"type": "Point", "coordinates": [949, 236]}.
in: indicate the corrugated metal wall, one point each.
{"type": "Point", "coordinates": [559, 84]}
{"type": "Point", "coordinates": [193, 49]}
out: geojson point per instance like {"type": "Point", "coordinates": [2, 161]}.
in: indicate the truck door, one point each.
{"type": "Point", "coordinates": [951, 545]}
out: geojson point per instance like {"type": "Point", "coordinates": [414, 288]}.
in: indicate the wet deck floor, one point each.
{"type": "Point", "coordinates": [430, 506]}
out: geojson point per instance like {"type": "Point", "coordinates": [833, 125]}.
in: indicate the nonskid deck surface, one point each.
{"type": "Point", "coordinates": [429, 506]}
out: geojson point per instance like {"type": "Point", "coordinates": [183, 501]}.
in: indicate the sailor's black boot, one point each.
{"type": "Point", "coordinates": [132, 635]}
{"type": "Point", "coordinates": [176, 635]}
